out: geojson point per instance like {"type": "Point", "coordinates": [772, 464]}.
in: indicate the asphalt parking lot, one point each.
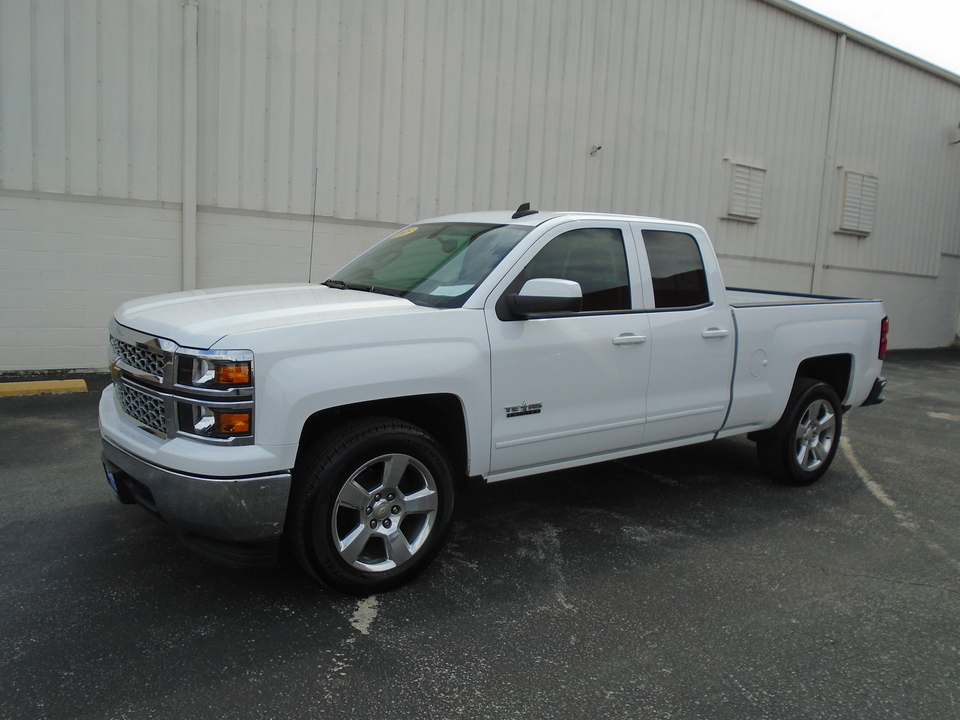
{"type": "Point", "coordinates": [680, 584]}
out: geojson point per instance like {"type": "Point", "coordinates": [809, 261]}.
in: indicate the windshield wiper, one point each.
{"type": "Point", "coordinates": [343, 285]}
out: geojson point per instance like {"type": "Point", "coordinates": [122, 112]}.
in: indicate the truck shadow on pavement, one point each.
{"type": "Point", "coordinates": [100, 585]}
{"type": "Point", "coordinates": [601, 517]}
{"type": "Point", "coordinates": [621, 516]}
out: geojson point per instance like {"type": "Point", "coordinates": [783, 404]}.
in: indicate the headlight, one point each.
{"type": "Point", "coordinates": [215, 370]}
{"type": "Point", "coordinates": [215, 389]}
{"type": "Point", "coordinates": [216, 423]}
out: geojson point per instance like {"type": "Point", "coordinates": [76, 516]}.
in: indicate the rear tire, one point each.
{"type": "Point", "coordinates": [372, 506]}
{"type": "Point", "coordinates": [799, 449]}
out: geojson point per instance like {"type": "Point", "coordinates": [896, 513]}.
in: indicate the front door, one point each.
{"type": "Point", "coordinates": [572, 387]}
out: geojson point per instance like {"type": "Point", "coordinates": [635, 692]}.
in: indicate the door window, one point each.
{"type": "Point", "coordinates": [593, 257]}
{"type": "Point", "coordinates": [679, 280]}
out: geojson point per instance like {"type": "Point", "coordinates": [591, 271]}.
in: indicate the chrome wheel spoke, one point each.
{"type": "Point", "coordinates": [397, 548]}
{"type": "Point", "coordinates": [817, 454]}
{"type": "Point", "coordinates": [353, 496]}
{"type": "Point", "coordinates": [394, 468]}
{"type": "Point", "coordinates": [353, 544]}
{"type": "Point", "coordinates": [827, 424]}
{"type": "Point", "coordinates": [423, 501]}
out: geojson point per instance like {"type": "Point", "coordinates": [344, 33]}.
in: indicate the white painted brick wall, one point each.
{"type": "Point", "coordinates": [239, 249]}
{"type": "Point", "coordinates": [921, 309]}
{"type": "Point", "coordinates": [66, 264]}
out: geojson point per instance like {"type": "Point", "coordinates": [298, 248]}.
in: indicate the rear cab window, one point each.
{"type": "Point", "coordinates": [677, 270]}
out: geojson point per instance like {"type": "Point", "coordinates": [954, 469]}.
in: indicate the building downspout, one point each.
{"type": "Point", "coordinates": [189, 164]}
{"type": "Point", "coordinates": [824, 231]}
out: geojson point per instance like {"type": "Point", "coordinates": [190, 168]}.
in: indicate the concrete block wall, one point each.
{"type": "Point", "coordinates": [66, 264]}
{"type": "Point", "coordinates": [242, 248]}
{"type": "Point", "coordinates": [921, 309]}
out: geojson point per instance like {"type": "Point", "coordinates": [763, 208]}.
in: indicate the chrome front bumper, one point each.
{"type": "Point", "coordinates": [231, 510]}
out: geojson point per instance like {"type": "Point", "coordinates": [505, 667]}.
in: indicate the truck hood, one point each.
{"type": "Point", "coordinates": [199, 318]}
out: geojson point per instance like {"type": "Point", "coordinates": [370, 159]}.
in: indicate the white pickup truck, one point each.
{"type": "Point", "coordinates": [344, 417]}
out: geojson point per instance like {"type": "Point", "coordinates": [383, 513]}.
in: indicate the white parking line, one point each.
{"type": "Point", "coordinates": [873, 486]}
{"type": "Point", "coordinates": [878, 492]}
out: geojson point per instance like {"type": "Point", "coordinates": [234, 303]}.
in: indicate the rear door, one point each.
{"type": "Point", "coordinates": [692, 341]}
{"type": "Point", "coordinates": [571, 387]}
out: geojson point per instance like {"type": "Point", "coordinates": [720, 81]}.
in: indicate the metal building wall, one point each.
{"type": "Point", "coordinates": [894, 125]}
{"type": "Point", "coordinates": [415, 109]}
{"type": "Point", "coordinates": [322, 124]}
{"type": "Point", "coordinates": [90, 98]}
{"type": "Point", "coordinates": [90, 173]}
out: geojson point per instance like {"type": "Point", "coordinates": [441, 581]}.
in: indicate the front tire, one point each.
{"type": "Point", "coordinates": [799, 449]}
{"type": "Point", "coordinates": [372, 506]}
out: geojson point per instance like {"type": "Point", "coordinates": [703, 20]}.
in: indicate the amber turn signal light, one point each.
{"type": "Point", "coordinates": [232, 423]}
{"type": "Point", "coordinates": [236, 374]}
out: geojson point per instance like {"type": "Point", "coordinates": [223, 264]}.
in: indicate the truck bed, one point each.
{"type": "Point", "coordinates": [745, 297]}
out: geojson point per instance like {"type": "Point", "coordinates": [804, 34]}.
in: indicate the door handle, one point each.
{"type": "Point", "coordinates": [715, 333]}
{"type": "Point", "coordinates": [629, 339]}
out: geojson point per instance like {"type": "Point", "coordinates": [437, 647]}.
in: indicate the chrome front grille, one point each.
{"type": "Point", "coordinates": [159, 386]}
{"type": "Point", "coordinates": [142, 407]}
{"type": "Point", "coordinates": [142, 370]}
{"type": "Point", "coordinates": [139, 358]}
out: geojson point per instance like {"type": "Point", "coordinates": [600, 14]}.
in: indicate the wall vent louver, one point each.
{"type": "Point", "coordinates": [746, 193]}
{"type": "Point", "coordinates": [859, 203]}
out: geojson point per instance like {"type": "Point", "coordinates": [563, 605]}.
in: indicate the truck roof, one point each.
{"type": "Point", "coordinates": [538, 217]}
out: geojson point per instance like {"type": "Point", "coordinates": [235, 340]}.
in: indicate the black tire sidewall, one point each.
{"type": "Point", "coordinates": [333, 465]}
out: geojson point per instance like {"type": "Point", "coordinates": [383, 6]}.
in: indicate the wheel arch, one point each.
{"type": "Point", "coordinates": [800, 448]}
{"type": "Point", "coordinates": [835, 370]}
{"type": "Point", "coordinates": [441, 415]}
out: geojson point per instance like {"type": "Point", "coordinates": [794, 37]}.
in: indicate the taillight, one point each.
{"type": "Point", "coordinates": [884, 330]}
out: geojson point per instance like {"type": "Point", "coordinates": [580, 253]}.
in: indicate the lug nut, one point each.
{"type": "Point", "coordinates": [395, 509]}
{"type": "Point", "coordinates": [376, 498]}
{"type": "Point", "coordinates": [373, 524]}
{"type": "Point", "coordinates": [390, 496]}
{"type": "Point", "coordinates": [369, 510]}
{"type": "Point", "coordinates": [387, 523]}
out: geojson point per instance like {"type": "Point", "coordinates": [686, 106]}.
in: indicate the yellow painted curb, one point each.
{"type": "Point", "coordinates": [42, 387]}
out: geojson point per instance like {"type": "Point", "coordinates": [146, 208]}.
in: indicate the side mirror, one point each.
{"type": "Point", "coordinates": [546, 297]}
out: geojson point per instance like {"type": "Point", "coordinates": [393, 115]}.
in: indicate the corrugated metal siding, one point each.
{"type": "Point", "coordinates": [417, 108]}
{"type": "Point", "coordinates": [894, 119]}
{"type": "Point", "coordinates": [402, 110]}
{"type": "Point", "coordinates": [772, 93]}
{"type": "Point", "coordinates": [90, 98]}
{"type": "Point", "coordinates": [427, 107]}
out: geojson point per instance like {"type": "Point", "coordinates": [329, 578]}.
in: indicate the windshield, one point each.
{"type": "Point", "coordinates": [437, 264]}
